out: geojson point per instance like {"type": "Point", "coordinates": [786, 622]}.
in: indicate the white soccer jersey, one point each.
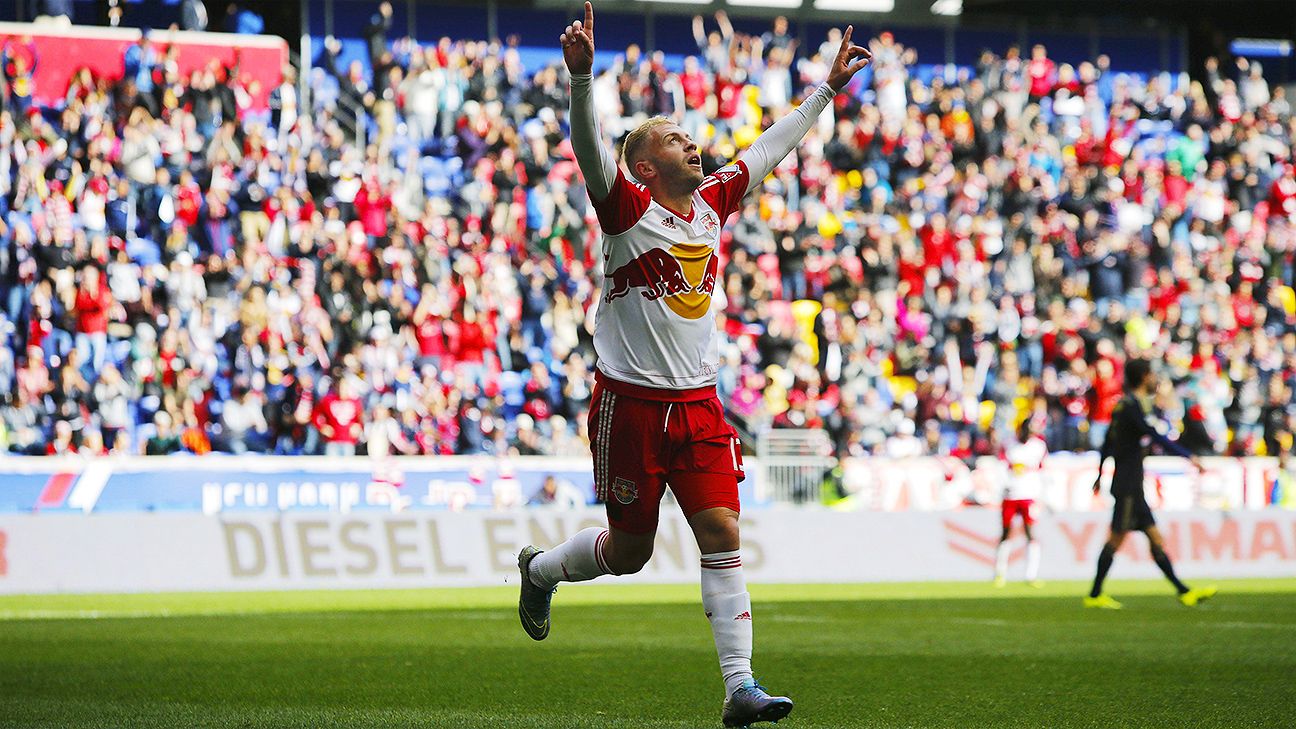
{"type": "Point", "coordinates": [1025, 469]}
{"type": "Point", "coordinates": [655, 331]}
{"type": "Point", "coordinates": [656, 320]}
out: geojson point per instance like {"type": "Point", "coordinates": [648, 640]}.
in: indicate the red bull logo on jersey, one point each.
{"type": "Point", "coordinates": [683, 277]}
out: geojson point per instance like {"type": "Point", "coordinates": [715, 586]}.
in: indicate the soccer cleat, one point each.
{"type": "Point", "coordinates": [751, 703]}
{"type": "Point", "coordinates": [1036, 583]}
{"type": "Point", "coordinates": [1197, 595]}
{"type": "Point", "coordinates": [533, 602]}
{"type": "Point", "coordinates": [1000, 581]}
{"type": "Point", "coordinates": [1102, 601]}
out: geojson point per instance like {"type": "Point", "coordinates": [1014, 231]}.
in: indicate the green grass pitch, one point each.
{"type": "Point", "coordinates": [936, 655]}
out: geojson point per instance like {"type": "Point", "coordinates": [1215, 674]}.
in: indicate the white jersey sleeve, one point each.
{"type": "Point", "coordinates": [783, 136]}
{"type": "Point", "coordinates": [595, 161]}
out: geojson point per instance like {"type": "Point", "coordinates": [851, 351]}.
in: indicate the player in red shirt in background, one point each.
{"type": "Point", "coordinates": [655, 418]}
{"type": "Point", "coordinates": [1025, 461]}
{"type": "Point", "coordinates": [339, 417]}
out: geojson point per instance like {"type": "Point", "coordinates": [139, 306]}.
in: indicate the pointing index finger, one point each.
{"type": "Point", "coordinates": [846, 37]}
{"type": "Point", "coordinates": [589, 16]}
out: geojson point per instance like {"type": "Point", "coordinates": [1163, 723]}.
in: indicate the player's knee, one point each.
{"type": "Point", "coordinates": [627, 564]}
{"type": "Point", "coordinates": [720, 529]}
{"type": "Point", "coordinates": [716, 530]}
{"type": "Point", "coordinates": [628, 561]}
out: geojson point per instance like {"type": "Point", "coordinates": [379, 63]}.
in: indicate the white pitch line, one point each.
{"type": "Point", "coordinates": [1244, 624]}
{"type": "Point", "coordinates": [85, 614]}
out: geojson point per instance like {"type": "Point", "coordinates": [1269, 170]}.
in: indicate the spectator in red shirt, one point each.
{"type": "Point", "coordinates": [63, 443]}
{"type": "Point", "coordinates": [696, 90]}
{"type": "Point", "coordinates": [1106, 392]}
{"type": "Point", "coordinates": [938, 244]}
{"type": "Point", "coordinates": [188, 200]}
{"type": "Point", "coordinates": [728, 93]}
{"type": "Point", "coordinates": [1176, 186]}
{"type": "Point", "coordinates": [372, 206]}
{"type": "Point", "coordinates": [1282, 195]}
{"type": "Point", "coordinates": [340, 420]}
{"type": "Point", "coordinates": [93, 305]}
{"type": "Point", "coordinates": [473, 341]}
{"type": "Point", "coordinates": [1042, 73]}
{"type": "Point", "coordinates": [1166, 293]}
{"type": "Point", "coordinates": [429, 329]}
{"type": "Point", "coordinates": [1244, 305]}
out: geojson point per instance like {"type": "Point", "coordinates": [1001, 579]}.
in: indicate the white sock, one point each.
{"type": "Point", "coordinates": [1001, 561]}
{"type": "Point", "coordinates": [1032, 559]}
{"type": "Point", "coordinates": [728, 607]}
{"type": "Point", "coordinates": [575, 560]}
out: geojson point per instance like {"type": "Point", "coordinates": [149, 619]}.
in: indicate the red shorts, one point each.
{"type": "Point", "coordinates": [641, 446]}
{"type": "Point", "coordinates": [1013, 507]}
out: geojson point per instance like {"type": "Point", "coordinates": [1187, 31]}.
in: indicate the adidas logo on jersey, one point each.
{"type": "Point", "coordinates": [669, 223]}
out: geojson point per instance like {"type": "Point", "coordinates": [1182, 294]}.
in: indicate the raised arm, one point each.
{"type": "Point", "coordinates": [595, 160]}
{"type": "Point", "coordinates": [784, 135]}
{"type": "Point", "coordinates": [726, 28]}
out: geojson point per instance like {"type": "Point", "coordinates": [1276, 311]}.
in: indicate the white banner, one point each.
{"type": "Point", "coordinates": [939, 483]}
{"type": "Point", "coordinates": [47, 553]}
{"type": "Point", "coordinates": [227, 485]}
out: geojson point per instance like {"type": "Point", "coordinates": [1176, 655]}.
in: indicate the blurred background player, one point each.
{"type": "Point", "coordinates": [1025, 461]}
{"type": "Point", "coordinates": [1132, 432]}
{"type": "Point", "coordinates": [656, 419]}
{"type": "Point", "coordinates": [1284, 485]}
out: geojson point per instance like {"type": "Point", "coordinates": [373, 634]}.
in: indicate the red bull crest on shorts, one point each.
{"type": "Point", "coordinates": [624, 490]}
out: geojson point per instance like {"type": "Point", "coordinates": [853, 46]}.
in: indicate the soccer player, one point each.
{"type": "Point", "coordinates": [655, 420]}
{"type": "Point", "coordinates": [1127, 441]}
{"type": "Point", "coordinates": [1025, 460]}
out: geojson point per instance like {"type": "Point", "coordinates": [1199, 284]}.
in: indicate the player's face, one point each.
{"type": "Point", "coordinates": [677, 156]}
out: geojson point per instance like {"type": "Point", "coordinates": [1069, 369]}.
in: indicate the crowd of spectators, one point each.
{"type": "Point", "coordinates": [950, 252]}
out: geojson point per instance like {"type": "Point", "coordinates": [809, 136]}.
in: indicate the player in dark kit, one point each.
{"type": "Point", "coordinates": [1127, 442]}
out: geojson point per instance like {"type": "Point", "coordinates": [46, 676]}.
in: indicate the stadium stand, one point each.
{"type": "Point", "coordinates": [409, 264]}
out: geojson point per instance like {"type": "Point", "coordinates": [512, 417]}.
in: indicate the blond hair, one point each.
{"type": "Point", "coordinates": [632, 148]}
